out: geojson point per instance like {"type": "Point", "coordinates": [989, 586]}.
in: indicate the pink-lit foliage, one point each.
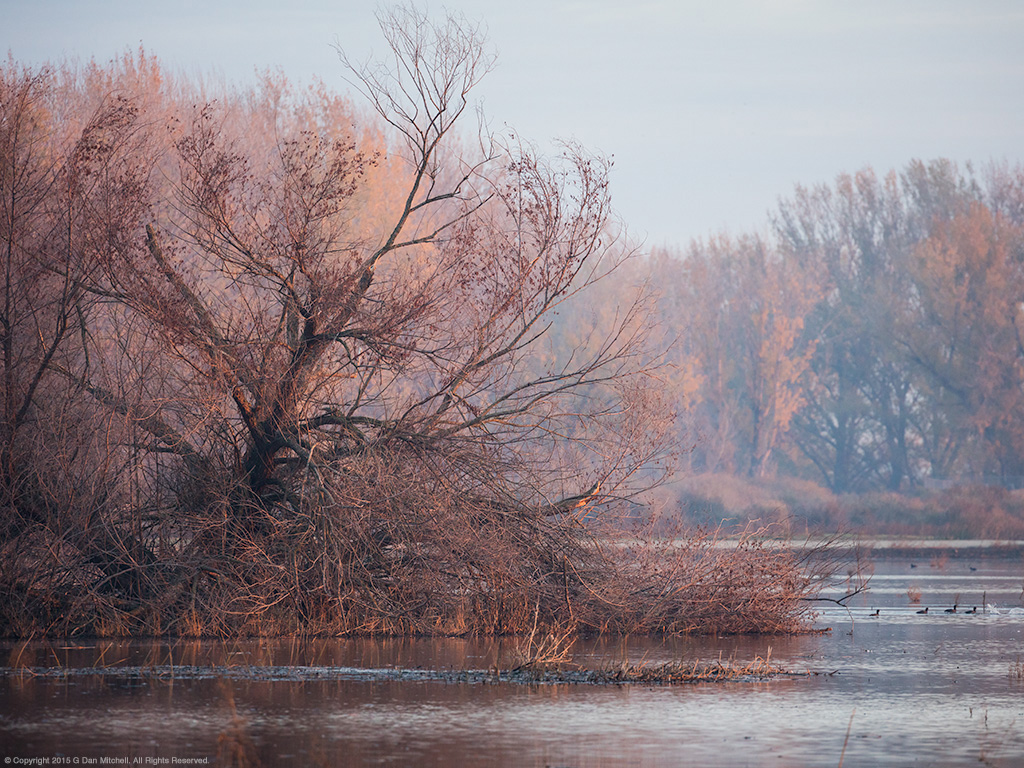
{"type": "Point", "coordinates": [275, 365]}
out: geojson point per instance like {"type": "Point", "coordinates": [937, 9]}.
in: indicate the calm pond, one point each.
{"type": "Point", "coordinates": [900, 688]}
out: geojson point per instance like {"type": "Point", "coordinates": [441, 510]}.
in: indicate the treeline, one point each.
{"type": "Point", "coordinates": [871, 339]}
{"type": "Point", "coordinates": [273, 362]}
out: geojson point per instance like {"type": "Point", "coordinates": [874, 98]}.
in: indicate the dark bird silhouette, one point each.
{"type": "Point", "coordinates": [973, 610]}
{"type": "Point", "coordinates": [923, 611]}
{"type": "Point", "coordinates": [876, 611]}
{"type": "Point", "coordinates": [951, 610]}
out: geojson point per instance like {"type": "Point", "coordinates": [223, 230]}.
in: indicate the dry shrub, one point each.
{"type": "Point", "coordinates": [541, 651]}
{"type": "Point", "coordinates": [704, 583]}
{"type": "Point", "coordinates": [406, 538]}
{"type": "Point", "coordinates": [385, 543]}
{"type": "Point", "coordinates": [398, 548]}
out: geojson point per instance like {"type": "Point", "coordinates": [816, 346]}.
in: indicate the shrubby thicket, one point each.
{"type": "Point", "coordinates": [274, 362]}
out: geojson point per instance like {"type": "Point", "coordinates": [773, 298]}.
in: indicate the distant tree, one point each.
{"type": "Point", "coordinates": [778, 351]}
{"type": "Point", "coordinates": [966, 336]}
{"type": "Point", "coordinates": [855, 424]}
{"type": "Point", "coordinates": [740, 311]}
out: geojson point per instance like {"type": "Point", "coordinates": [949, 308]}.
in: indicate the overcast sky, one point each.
{"type": "Point", "coordinates": [712, 109]}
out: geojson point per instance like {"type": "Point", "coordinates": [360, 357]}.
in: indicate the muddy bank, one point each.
{"type": "Point", "coordinates": [656, 674]}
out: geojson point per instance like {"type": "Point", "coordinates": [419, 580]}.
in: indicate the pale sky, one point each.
{"type": "Point", "coordinates": [712, 109]}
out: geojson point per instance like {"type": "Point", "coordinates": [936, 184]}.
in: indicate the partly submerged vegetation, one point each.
{"type": "Point", "coordinates": [539, 657]}
{"type": "Point", "coordinates": [274, 365]}
{"type": "Point", "coordinates": [548, 658]}
{"type": "Point", "coordinates": [665, 673]}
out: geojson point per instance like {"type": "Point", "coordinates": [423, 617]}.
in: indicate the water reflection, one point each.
{"type": "Point", "coordinates": [935, 689]}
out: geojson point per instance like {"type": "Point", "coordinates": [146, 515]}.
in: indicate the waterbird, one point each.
{"type": "Point", "coordinates": [876, 611]}
{"type": "Point", "coordinates": [951, 610]}
{"type": "Point", "coordinates": [973, 610]}
{"type": "Point", "coordinates": [923, 611]}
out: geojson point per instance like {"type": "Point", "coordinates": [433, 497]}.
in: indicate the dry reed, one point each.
{"type": "Point", "coordinates": [697, 672]}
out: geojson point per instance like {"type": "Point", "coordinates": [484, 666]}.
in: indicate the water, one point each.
{"type": "Point", "coordinates": [897, 689]}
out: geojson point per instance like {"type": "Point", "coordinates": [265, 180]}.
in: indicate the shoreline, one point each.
{"type": "Point", "coordinates": [897, 547]}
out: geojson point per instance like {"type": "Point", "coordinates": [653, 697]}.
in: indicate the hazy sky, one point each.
{"type": "Point", "coordinates": [712, 109]}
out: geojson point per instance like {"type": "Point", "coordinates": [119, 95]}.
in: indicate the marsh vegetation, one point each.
{"type": "Point", "coordinates": [278, 362]}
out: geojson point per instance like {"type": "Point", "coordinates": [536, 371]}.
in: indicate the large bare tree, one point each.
{"type": "Point", "coordinates": [327, 350]}
{"type": "Point", "coordinates": [352, 372]}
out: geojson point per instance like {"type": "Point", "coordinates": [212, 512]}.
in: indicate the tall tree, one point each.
{"type": "Point", "coordinates": [314, 345]}
{"type": "Point", "coordinates": [854, 427]}
{"type": "Point", "coordinates": [740, 312]}
{"type": "Point", "coordinates": [966, 337]}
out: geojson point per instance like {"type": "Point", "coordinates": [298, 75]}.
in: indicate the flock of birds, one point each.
{"type": "Point", "coordinates": [956, 605]}
{"type": "Point", "coordinates": [924, 611]}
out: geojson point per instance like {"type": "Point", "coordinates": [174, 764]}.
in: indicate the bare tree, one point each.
{"type": "Point", "coordinates": [344, 421]}
{"type": "Point", "coordinates": [70, 183]}
{"type": "Point", "coordinates": [352, 380]}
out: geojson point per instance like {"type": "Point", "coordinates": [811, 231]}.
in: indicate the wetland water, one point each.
{"type": "Point", "coordinates": [937, 689]}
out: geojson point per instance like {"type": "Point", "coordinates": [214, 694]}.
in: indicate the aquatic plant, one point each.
{"type": "Point", "coordinates": [1017, 670]}
{"type": "Point", "coordinates": [685, 672]}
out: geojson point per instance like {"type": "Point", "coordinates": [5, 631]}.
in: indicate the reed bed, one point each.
{"type": "Point", "coordinates": [698, 672]}
{"type": "Point", "coordinates": [548, 658]}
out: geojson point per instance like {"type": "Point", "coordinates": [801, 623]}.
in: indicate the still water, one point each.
{"type": "Point", "coordinates": [899, 688]}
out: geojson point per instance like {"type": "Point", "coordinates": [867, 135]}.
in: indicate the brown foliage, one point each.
{"type": "Point", "coordinates": [702, 582]}
{"type": "Point", "coordinates": [270, 371]}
